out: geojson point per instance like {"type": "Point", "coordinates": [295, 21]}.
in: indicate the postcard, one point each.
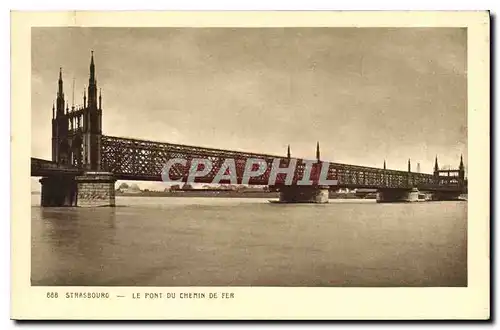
{"type": "Point", "coordinates": [250, 165]}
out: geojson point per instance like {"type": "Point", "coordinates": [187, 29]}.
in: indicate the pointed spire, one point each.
{"type": "Point", "coordinates": [53, 110]}
{"type": "Point", "coordinates": [100, 99]}
{"type": "Point", "coordinates": [384, 165]}
{"type": "Point", "coordinates": [461, 168]}
{"type": "Point", "coordinates": [288, 154]}
{"type": "Point", "coordinates": [409, 165]}
{"type": "Point", "coordinates": [317, 151]}
{"type": "Point", "coordinates": [436, 166]}
{"type": "Point", "coordinates": [92, 67]}
{"type": "Point", "coordinates": [92, 89]}
{"type": "Point", "coordinates": [60, 82]}
{"type": "Point", "coordinates": [73, 95]}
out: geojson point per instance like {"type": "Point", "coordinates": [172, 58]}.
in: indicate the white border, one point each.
{"type": "Point", "coordinates": [218, 5]}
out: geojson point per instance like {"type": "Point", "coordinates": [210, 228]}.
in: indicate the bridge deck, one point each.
{"type": "Point", "coordinates": [134, 159]}
{"type": "Point", "coordinates": [42, 167]}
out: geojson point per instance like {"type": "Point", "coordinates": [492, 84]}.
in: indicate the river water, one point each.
{"type": "Point", "coordinates": [170, 241]}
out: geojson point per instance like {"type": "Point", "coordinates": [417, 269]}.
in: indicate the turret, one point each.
{"type": "Point", "coordinates": [317, 152]}
{"type": "Point", "coordinates": [60, 124]}
{"type": "Point", "coordinates": [409, 165]}
{"type": "Point", "coordinates": [288, 154]}
{"type": "Point", "coordinates": [436, 166]}
{"type": "Point", "coordinates": [461, 168]}
{"type": "Point", "coordinates": [384, 165]}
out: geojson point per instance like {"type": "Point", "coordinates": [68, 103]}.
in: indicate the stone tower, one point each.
{"type": "Point", "coordinates": [92, 124]}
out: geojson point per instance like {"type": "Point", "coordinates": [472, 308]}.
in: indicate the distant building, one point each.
{"type": "Point", "coordinates": [132, 189]}
{"type": "Point", "coordinates": [175, 187]}
{"type": "Point", "coordinates": [187, 186]}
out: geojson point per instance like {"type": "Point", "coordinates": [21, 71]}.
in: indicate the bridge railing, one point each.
{"type": "Point", "coordinates": [43, 167]}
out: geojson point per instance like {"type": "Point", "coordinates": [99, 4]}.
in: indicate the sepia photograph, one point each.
{"type": "Point", "coordinates": [176, 161]}
{"type": "Point", "coordinates": [160, 156]}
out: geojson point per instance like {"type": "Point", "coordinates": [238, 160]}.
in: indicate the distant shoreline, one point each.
{"type": "Point", "coordinates": [200, 193]}
{"type": "Point", "coordinates": [223, 194]}
{"type": "Point", "coordinates": [227, 194]}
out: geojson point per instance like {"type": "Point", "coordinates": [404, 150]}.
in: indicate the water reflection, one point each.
{"type": "Point", "coordinates": [67, 225]}
{"type": "Point", "coordinates": [182, 242]}
{"type": "Point", "coordinates": [73, 241]}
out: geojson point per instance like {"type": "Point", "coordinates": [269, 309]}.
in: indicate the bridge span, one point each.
{"type": "Point", "coordinates": [86, 163]}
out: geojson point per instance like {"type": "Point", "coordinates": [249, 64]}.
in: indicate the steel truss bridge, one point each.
{"type": "Point", "coordinates": [79, 146]}
{"type": "Point", "coordinates": [143, 160]}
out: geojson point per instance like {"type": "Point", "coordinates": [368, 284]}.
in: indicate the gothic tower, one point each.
{"type": "Point", "coordinates": [60, 148]}
{"type": "Point", "coordinates": [92, 129]}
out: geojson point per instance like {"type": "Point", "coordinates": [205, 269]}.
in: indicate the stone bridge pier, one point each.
{"type": "Point", "coordinates": [58, 191]}
{"type": "Point", "coordinates": [91, 189]}
{"type": "Point", "coordinates": [413, 194]}
{"type": "Point", "coordinates": [397, 195]}
{"type": "Point", "coordinates": [96, 189]}
{"type": "Point", "coordinates": [446, 195]}
{"type": "Point", "coordinates": [304, 194]}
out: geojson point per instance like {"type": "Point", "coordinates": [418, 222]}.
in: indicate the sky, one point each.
{"type": "Point", "coordinates": [366, 94]}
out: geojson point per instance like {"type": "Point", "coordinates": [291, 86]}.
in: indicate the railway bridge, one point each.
{"type": "Point", "coordinates": [86, 163]}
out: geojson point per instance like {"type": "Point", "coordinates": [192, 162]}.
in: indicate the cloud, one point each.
{"type": "Point", "coordinates": [364, 93]}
